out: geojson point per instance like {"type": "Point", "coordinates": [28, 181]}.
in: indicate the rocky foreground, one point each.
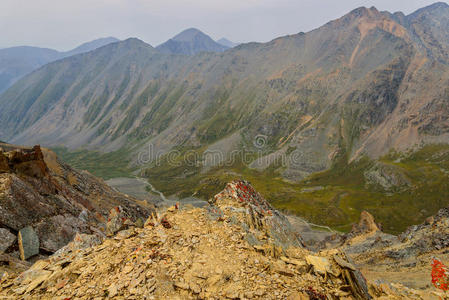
{"type": "Point", "coordinates": [44, 203]}
{"type": "Point", "coordinates": [239, 247]}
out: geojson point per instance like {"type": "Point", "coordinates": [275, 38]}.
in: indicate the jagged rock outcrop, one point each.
{"type": "Point", "coordinates": [56, 201]}
{"type": "Point", "coordinates": [195, 253]}
{"type": "Point", "coordinates": [366, 224]}
{"type": "Point", "coordinates": [257, 213]}
{"type": "Point", "coordinates": [402, 264]}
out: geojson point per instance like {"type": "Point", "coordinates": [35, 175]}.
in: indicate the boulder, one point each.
{"type": "Point", "coordinates": [57, 231]}
{"type": "Point", "coordinates": [116, 221]}
{"type": "Point", "coordinates": [6, 239]}
{"type": "Point", "coordinates": [28, 243]}
{"type": "Point", "coordinates": [4, 167]}
{"type": "Point", "coordinates": [80, 241]}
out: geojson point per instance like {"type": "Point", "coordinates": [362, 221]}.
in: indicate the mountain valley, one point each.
{"type": "Point", "coordinates": [342, 99]}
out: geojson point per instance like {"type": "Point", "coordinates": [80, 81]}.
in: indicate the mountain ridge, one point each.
{"type": "Point", "coordinates": [342, 97]}
{"type": "Point", "coordinates": [15, 62]}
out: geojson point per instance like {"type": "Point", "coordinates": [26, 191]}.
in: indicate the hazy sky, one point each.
{"type": "Point", "coordinates": [64, 24]}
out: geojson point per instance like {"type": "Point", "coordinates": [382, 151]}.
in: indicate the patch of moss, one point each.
{"type": "Point", "coordinates": [104, 165]}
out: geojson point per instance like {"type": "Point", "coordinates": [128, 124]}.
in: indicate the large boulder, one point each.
{"type": "Point", "coordinates": [6, 239]}
{"type": "Point", "coordinates": [28, 243]}
{"type": "Point", "coordinates": [57, 231]}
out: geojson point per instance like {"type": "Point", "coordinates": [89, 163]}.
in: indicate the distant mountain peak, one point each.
{"type": "Point", "coordinates": [189, 34]}
{"type": "Point", "coordinates": [190, 42]}
{"type": "Point", "coordinates": [227, 43]}
{"type": "Point", "coordinates": [364, 12]}
{"type": "Point", "coordinates": [92, 45]}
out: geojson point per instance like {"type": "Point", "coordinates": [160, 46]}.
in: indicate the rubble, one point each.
{"type": "Point", "coordinates": [196, 257]}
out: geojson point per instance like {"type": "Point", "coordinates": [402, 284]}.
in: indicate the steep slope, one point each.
{"type": "Point", "coordinates": [40, 192]}
{"type": "Point", "coordinates": [227, 43]}
{"type": "Point", "coordinates": [330, 103]}
{"type": "Point", "coordinates": [191, 41]}
{"type": "Point", "coordinates": [16, 62]}
{"type": "Point", "coordinates": [19, 61]}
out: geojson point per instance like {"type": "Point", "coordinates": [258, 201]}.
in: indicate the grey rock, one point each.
{"type": "Point", "coordinates": [6, 239]}
{"type": "Point", "coordinates": [58, 231]}
{"type": "Point", "coordinates": [28, 243]}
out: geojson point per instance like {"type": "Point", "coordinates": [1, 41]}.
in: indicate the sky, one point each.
{"type": "Point", "coordinates": [65, 24]}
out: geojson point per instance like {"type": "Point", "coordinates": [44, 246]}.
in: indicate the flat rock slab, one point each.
{"type": "Point", "coordinates": [6, 239]}
{"type": "Point", "coordinates": [28, 243]}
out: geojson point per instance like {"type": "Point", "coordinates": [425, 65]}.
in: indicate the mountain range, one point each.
{"type": "Point", "coordinates": [350, 116]}
{"type": "Point", "coordinates": [16, 62]}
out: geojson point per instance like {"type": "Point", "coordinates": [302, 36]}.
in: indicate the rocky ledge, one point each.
{"type": "Point", "coordinates": [44, 203]}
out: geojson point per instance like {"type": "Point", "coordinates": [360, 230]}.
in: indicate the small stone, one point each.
{"type": "Point", "coordinates": [299, 296]}
{"type": "Point", "coordinates": [195, 288]}
{"type": "Point", "coordinates": [112, 290]}
{"type": "Point", "coordinates": [181, 285]}
{"type": "Point", "coordinates": [320, 265]}
{"type": "Point", "coordinates": [344, 264]}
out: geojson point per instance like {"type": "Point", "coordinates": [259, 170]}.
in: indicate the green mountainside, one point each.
{"type": "Point", "coordinates": [353, 115]}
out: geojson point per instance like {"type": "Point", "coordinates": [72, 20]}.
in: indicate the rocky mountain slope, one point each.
{"type": "Point", "coordinates": [16, 62]}
{"type": "Point", "coordinates": [238, 247]}
{"type": "Point", "coordinates": [332, 121]}
{"type": "Point", "coordinates": [191, 41]}
{"type": "Point", "coordinates": [45, 202]}
{"type": "Point", "coordinates": [406, 260]}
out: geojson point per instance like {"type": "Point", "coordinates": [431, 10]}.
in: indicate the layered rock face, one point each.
{"type": "Point", "coordinates": [257, 213]}
{"type": "Point", "coordinates": [53, 201]}
{"type": "Point", "coordinates": [401, 264]}
{"type": "Point", "coordinates": [196, 253]}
